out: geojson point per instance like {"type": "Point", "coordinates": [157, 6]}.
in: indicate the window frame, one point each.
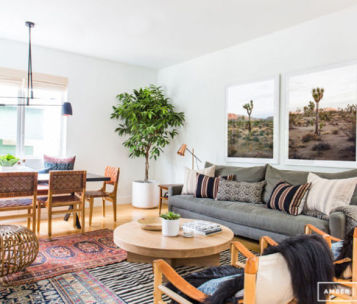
{"type": "Point", "coordinates": [43, 81]}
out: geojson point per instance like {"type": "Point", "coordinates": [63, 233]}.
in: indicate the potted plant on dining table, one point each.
{"type": "Point", "coordinates": [149, 121]}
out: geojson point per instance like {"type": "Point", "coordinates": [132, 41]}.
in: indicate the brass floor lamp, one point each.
{"type": "Point", "coordinates": [182, 151]}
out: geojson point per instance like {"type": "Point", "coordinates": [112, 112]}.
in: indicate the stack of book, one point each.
{"type": "Point", "coordinates": [201, 227]}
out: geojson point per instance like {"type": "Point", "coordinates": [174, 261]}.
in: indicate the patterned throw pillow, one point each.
{"type": "Point", "coordinates": [56, 163]}
{"type": "Point", "coordinates": [190, 181]}
{"type": "Point", "coordinates": [207, 187]}
{"type": "Point", "coordinates": [289, 199]}
{"type": "Point", "coordinates": [240, 191]}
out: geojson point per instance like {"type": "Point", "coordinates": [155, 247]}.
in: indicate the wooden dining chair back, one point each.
{"type": "Point", "coordinates": [63, 186]}
{"type": "Point", "coordinates": [18, 191]}
{"type": "Point", "coordinates": [103, 193]}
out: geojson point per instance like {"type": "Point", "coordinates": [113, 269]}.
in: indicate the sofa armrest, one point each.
{"type": "Point", "coordinates": [175, 190]}
{"type": "Point", "coordinates": [337, 224]}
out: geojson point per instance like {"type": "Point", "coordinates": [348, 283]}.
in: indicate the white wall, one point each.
{"type": "Point", "coordinates": [93, 85]}
{"type": "Point", "coordinates": [197, 87]}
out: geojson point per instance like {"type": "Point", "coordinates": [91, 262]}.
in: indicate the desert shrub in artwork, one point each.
{"type": "Point", "coordinates": [320, 132]}
{"type": "Point", "coordinates": [249, 136]}
{"type": "Point", "coordinates": [251, 108]}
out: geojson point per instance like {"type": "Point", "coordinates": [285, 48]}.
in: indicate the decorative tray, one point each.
{"type": "Point", "coordinates": [150, 223]}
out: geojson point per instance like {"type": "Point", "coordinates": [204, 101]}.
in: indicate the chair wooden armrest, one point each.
{"type": "Point", "coordinates": [345, 260]}
{"type": "Point", "coordinates": [264, 242]}
{"type": "Point", "coordinates": [236, 248]}
{"type": "Point", "coordinates": [161, 268]}
{"type": "Point", "coordinates": [310, 229]}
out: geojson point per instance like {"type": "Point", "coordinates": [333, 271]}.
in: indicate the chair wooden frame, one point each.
{"type": "Point", "coordinates": [108, 196]}
{"type": "Point", "coordinates": [310, 229]}
{"type": "Point", "coordinates": [54, 192]}
{"type": "Point", "coordinates": [21, 193]}
{"type": "Point", "coordinates": [163, 269]}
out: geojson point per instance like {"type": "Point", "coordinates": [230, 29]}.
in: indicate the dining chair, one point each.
{"type": "Point", "coordinates": [61, 192]}
{"type": "Point", "coordinates": [18, 191]}
{"type": "Point", "coordinates": [105, 195]}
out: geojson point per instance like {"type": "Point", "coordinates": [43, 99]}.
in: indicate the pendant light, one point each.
{"type": "Point", "coordinates": [66, 106]}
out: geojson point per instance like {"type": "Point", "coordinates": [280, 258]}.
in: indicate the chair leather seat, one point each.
{"type": "Point", "coordinates": [98, 193]}
{"type": "Point", "coordinates": [20, 202]}
{"type": "Point", "coordinates": [59, 199]}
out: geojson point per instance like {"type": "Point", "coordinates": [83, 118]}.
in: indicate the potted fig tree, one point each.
{"type": "Point", "coordinates": [148, 121]}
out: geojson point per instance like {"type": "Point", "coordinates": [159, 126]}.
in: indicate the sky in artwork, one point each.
{"type": "Point", "coordinates": [262, 94]}
{"type": "Point", "coordinates": [340, 85]}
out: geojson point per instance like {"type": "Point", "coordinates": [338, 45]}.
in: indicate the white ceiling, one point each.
{"type": "Point", "coordinates": [154, 33]}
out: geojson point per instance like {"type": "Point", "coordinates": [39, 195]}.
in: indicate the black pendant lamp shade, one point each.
{"type": "Point", "coordinates": [67, 109]}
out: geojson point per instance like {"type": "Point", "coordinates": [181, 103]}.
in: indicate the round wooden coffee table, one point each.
{"type": "Point", "coordinates": [144, 246]}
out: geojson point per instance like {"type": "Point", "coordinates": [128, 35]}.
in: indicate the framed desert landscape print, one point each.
{"type": "Point", "coordinates": [252, 121]}
{"type": "Point", "coordinates": [321, 116]}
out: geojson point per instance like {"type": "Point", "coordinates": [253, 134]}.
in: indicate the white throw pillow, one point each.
{"type": "Point", "coordinates": [190, 181]}
{"type": "Point", "coordinates": [273, 283]}
{"type": "Point", "coordinates": [328, 194]}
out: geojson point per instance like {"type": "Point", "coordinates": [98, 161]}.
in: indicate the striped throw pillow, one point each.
{"type": "Point", "coordinates": [207, 187]}
{"type": "Point", "coordinates": [289, 199]}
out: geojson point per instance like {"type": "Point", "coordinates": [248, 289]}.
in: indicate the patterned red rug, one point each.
{"type": "Point", "coordinates": [69, 254]}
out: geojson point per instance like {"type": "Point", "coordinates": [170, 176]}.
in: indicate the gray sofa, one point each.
{"type": "Point", "coordinates": [255, 220]}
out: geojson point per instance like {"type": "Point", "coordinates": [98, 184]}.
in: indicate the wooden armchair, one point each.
{"type": "Point", "coordinates": [310, 229]}
{"type": "Point", "coordinates": [105, 195]}
{"type": "Point", "coordinates": [252, 283]}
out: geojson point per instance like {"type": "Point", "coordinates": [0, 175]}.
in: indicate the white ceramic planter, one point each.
{"type": "Point", "coordinates": [170, 227]}
{"type": "Point", "coordinates": [145, 194]}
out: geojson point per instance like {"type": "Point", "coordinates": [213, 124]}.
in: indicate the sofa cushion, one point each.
{"type": "Point", "coordinates": [328, 194]}
{"type": "Point", "coordinates": [342, 175]}
{"type": "Point", "coordinates": [274, 176]}
{"type": "Point", "coordinates": [190, 181]}
{"type": "Point", "coordinates": [240, 191]}
{"type": "Point", "coordinates": [288, 198]}
{"type": "Point", "coordinates": [242, 174]}
{"type": "Point", "coordinates": [248, 214]}
{"type": "Point", "coordinates": [206, 186]}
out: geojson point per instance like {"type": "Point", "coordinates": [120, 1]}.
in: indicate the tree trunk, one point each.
{"type": "Point", "coordinates": [317, 132]}
{"type": "Point", "coordinates": [147, 167]}
{"type": "Point", "coordinates": [249, 125]}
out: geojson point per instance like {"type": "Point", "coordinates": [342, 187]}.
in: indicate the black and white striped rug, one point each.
{"type": "Point", "coordinates": [133, 282]}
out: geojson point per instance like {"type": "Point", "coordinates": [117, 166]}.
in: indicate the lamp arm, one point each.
{"type": "Point", "coordinates": [194, 155]}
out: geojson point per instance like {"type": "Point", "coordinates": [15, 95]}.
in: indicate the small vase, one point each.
{"type": "Point", "coordinates": [170, 227]}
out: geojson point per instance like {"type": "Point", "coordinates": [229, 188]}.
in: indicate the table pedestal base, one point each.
{"type": "Point", "coordinates": [210, 260]}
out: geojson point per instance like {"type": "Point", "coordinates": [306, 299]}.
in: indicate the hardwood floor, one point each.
{"type": "Point", "coordinates": [125, 213]}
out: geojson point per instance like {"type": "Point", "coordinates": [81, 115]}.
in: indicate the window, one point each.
{"type": "Point", "coordinates": [31, 131]}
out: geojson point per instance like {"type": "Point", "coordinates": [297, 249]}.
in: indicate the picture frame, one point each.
{"type": "Point", "coordinates": [335, 143]}
{"type": "Point", "coordinates": [262, 145]}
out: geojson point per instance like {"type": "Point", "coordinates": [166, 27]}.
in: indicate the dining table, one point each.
{"type": "Point", "coordinates": [43, 180]}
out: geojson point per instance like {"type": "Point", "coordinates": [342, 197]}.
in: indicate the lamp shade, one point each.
{"type": "Point", "coordinates": [182, 150]}
{"type": "Point", "coordinates": [67, 109]}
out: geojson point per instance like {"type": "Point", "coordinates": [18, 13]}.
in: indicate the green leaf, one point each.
{"type": "Point", "coordinates": [148, 119]}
